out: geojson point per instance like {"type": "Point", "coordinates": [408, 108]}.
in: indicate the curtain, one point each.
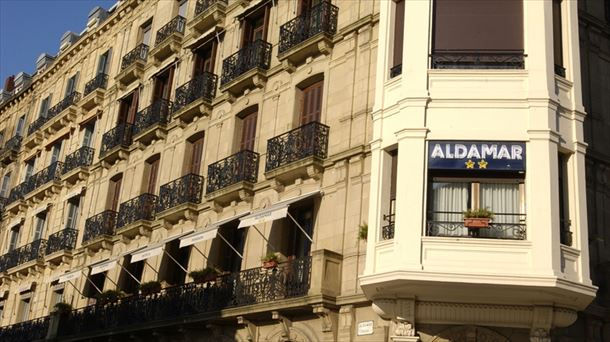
{"type": "Point", "coordinates": [449, 200]}
{"type": "Point", "coordinates": [503, 200]}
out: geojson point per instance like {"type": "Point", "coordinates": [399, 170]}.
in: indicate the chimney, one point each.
{"type": "Point", "coordinates": [9, 83]}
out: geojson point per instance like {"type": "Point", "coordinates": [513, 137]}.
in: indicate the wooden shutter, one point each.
{"type": "Point", "coordinates": [133, 107]}
{"type": "Point", "coordinates": [248, 131]}
{"type": "Point", "coordinates": [557, 35]}
{"type": "Point", "coordinates": [311, 105]}
{"type": "Point", "coordinates": [399, 23]}
{"type": "Point", "coordinates": [153, 170]}
{"type": "Point", "coordinates": [196, 156]}
{"type": "Point", "coordinates": [114, 191]}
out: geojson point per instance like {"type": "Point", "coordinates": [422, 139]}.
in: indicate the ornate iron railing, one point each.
{"type": "Point", "coordinates": [67, 101]}
{"type": "Point", "coordinates": [560, 70]}
{"type": "Point", "coordinates": [175, 25]}
{"type": "Point", "coordinates": [478, 60]}
{"type": "Point", "coordinates": [186, 189]}
{"type": "Point", "coordinates": [31, 251]}
{"type": "Point", "coordinates": [139, 53]}
{"type": "Point", "coordinates": [240, 167]}
{"type": "Point", "coordinates": [33, 330]}
{"type": "Point", "coordinates": [63, 239]}
{"type": "Point", "coordinates": [200, 87]}
{"type": "Point", "coordinates": [36, 124]}
{"type": "Point", "coordinates": [387, 231]}
{"type": "Point", "coordinates": [565, 236]}
{"type": "Point", "coordinates": [121, 135]}
{"type": "Point", "coordinates": [252, 286]}
{"type": "Point", "coordinates": [255, 55]}
{"type": "Point", "coordinates": [203, 5]}
{"type": "Point", "coordinates": [503, 226]}
{"type": "Point", "coordinates": [16, 193]}
{"type": "Point", "coordinates": [137, 208]}
{"type": "Point", "coordinates": [157, 113]}
{"type": "Point", "coordinates": [13, 144]}
{"type": "Point", "coordinates": [82, 157]}
{"type": "Point", "coordinates": [44, 176]}
{"type": "Point", "coordinates": [98, 82]}
{"type": "Point", "coordinates": [322, 18]}
{"type": "Point", "coordinates": [396, 70]}
{"type": "Point", "coordinates": [308, 140]}
{"type": "Point", "coordinates": [3, 203]}
{"type": "Point", "coordinates": [103, 223]}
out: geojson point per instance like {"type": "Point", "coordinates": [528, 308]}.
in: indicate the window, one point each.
{"type": "Point", "coordinates": [194, 154]}
{"type": "Point", "coordinates": [24, 309]}
{"type": "Point", "coordinates": [182, 6]}
{"type": "Point", "coordinates": [128, 108]}
{"type": "Point", "coordinates": [94, 285]}
{"type": "Point", "coordinates": [255, 26]}
{"type": "Point", "coordinates": [29, 167]}
{"type": "Point", "coordinates": [103, 62]}
{"type": "Point", "coordinates": [305, 6]}
{"type": "Point", "coordinates": [311, 103]}
{"type": "Point", "coordinates": [6, 182]}
{"type": "Point", "coordinates": [151, 171]}
{"type": "Point", "coordinates": [169, 269]}
{"type": "Point", "coordinates": [387, 230]}
{"type": "Point", "coordinates": [204, 59]}
{"type": "Point", "coordinates": [399, 23]}
{"type": "Point", "coordinates": [73, 212]}
{"type": "Point", "coordinates": [145, 33]}
{"type": "Point", "coordinates": [558, 39]}
{"type": "Point", "coordinates": [478, 34]}
{"type": "Point", "coordinates": [39, 225]}
{"type": "Point", "coordinates": [44, 106]}
{"type": "Point", "coordinates": [57, 295]}
{"type": "Point", "coordinates": [71, 85]}
{"type": "Point", "coordinates": [287, 237]}
{"type": "Point", "coordinates": [15, 232]}
{"type": "Point", "coordinates": [247, 131]}
{"type": "Point", "coordinates": [20, 124]}
{"type": "Point", "coordinates": [221, 255]}
{"type": "Point", "coordinates": [129, 271]}
{"type": "Point", "coordinates": [88, 130]}
{"type": "Point", "coordinates": [163, 84]}
{"type": "Point", "coordinates": [114, 192]}
{"type": "Point", "coordinates": [564, 201]}
{"type": "Point", "coordinates": [1, 137]}
{"type": "Point", "coordinates": [55, 151]}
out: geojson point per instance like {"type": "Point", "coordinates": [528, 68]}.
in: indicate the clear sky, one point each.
{"type": "Point", "coordinates": [31, 27]}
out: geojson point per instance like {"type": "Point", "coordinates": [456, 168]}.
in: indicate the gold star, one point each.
{"type": "Point", "coordinates": [469, 164]}
{"type": "Point", "coordinates": [482, 164]}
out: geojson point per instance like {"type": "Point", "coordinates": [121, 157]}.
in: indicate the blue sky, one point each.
{"type": "Point", "coordinates": [31, 27]}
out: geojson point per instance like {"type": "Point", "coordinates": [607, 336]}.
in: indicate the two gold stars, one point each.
{"type": "Point", "coordinates": [470, 164]}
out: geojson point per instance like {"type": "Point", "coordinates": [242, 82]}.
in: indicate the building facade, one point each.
{"type": "Point", "coordinates": [479, 115]}
{"type": "Point", "coordinates": [172, 136]}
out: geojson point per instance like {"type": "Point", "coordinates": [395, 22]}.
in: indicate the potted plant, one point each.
{"type": "Point", "coordinates": [108, 296]}
{"type": "Point", "coordinates": [150, 287]}
{"type": "Point", "coordinates": [62, 308]}
{"type": "Point", "coordinates": [477, 218]}
{"type": "Point", "coordinates": [205, 275]}
{"type": "Point", "coordinates": [270, 260]}
{"type": "Point", "coordinates": [363, 231]}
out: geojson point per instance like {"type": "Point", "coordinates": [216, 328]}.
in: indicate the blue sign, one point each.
{"type": "Point", "coordinates": [476, 155]}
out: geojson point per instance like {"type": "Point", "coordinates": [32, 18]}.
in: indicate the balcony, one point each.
{"type": "Point", "coordinates": [194, 98]}
{"type": "Point", "coordinates": [99, 230]}
{"type": "Point", "coordinates": [15, 201]}
{"type": "Point", "coordinates": [76, 166]}
{"type": "Point", "coordinates": [232, 178]}
{"type": "Point", "coordinates": [136, 215]}
{"type": "Point", "coordinates": [24, 257]}
{"type": "Point", "coordinates": [179, 199]}
{"type": "Point", "coordinates": [9, 152]}
{"type": "Point", "coordinates": [132, 65]}
{"type": "Point", "coordinates": [115, 144]}
{"type": "Point", "coordinates": [308, 35]}
{"type": "Point", "coordinates": [292, 286]}
{"type": "Point", "coordinates": [208, 13]}
{"type": "Point", "coordinates": [150, 122]}
{"type": "Point", "coordinates": [298, 153]}
{"type": "Point", "coordinates": [61, 115]}
{"type": "Point", "coordinates": [93, 96]}
{"type": "Point", "coordinates": [34, 137]}
{"type": "Point", "coordinates": [478, 60]}
{"type": "Point", "coordinates": [504, 226]}
{"type": "Point", "coordinates": [33, 330]}
{"type": "Point", "coordinates": [60, 245]}
{"type": "Point", "coordinates": [247, 68]}
{"type": "Point", "coordinates": [3, 202]}
{"type": "Point", "coordinates": [44, 183]}
{"type": "Point", "coordinates": [169, 39]}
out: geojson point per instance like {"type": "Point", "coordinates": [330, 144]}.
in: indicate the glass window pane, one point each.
{"type": "Point", "coordinates": [449, 201]}
{"type": "Point", "coordinates": [502, 199]}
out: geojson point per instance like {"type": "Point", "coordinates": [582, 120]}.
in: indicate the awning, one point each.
{"type": "Point", "coordinates": [103, 266]}
{"type": "Point", "coordinates": [274, 212]}
{"type": "Point", "coordinates": [69, 276]}
{"type": "Point", "coordinates": [193, 238]}
{"type": "Point", "coordinates": [205, 38]}
{"type": "Point", "coordinates": [74, 193]}
{"type": "Point", "coordinates": [146, 253]}
{"type": "Point", "coordinates": [177, 236]}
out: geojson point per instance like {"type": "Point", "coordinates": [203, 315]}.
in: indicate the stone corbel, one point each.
{"type": "Point", "coordinates": [285, 323]}
{"type": "Point", "coordinates": [250, 327]}
{"type": "Point", "coordinates": [541, 324]}
{"type": "Point", "coordinates": [326, 316]}
{"type": "Point", "coordinates": [401, 312]}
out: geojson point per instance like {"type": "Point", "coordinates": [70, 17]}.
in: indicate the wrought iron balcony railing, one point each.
{"type": "Point", "coordinates": [103, 223]}
{"type": "Point", "coordinates": [119, 136]}
{"type": "Point", "coordinates": [306, 141]}
{"type": "Point", "coordinates": [82, 157]}
{"type": "Point", "coordinates": [560, 70]}
{"type": "Point", "coordinates": [186, 189]}
{"type": "Point", "coordinates": [503, 226]}
{"type": "Point", "coordinates": [13, 144]}
{"type": "Point", "coordinates": [248, 287]}
{"type": "Point", "coordinates": [16, 193]}
{"type": "Point", "coordinates": [139, 53]}
{"type": "Point", "coordinates": [157, 113]}
{"type": "Point", "coordinates": [255, 55]}
{"type": "Point", "coordinates": [200, 87]}
{"type": "Point", "coordinates": [240, 167]}
{"type": "Point", "coordinates": [478, 60]}
{"type": "Point", "coordinates": [48, 174]}
{"type": "Point", "coordinates": [36, 124]}
{"type": "Point", "coordinates": [137, 208]}
{"type": "Point", "coordinates": [175, 25]}
{"type": "Point", "coordinates": [3, 203]}
{"type": "Point", "coordinates": [387, 231]}
{"type": "Point", "coordinates": [396, 70]}
{"type": "Point", "coordinates": [322, 18]}
{"type": "Point", "coordinates": [203, 5]}
{"type": "Point", "coordinates": [68, 101]}
{"type": "Point", "coordinates": [62, 240]}
{"type": "Point", "coordinates": [33, 330]}
{"type": "Point", "coordinates": [31, 251]}
{"type": "Point", "coordinates": [98, 82]}
{"type": "Point", "coordinates": [565, 237]}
